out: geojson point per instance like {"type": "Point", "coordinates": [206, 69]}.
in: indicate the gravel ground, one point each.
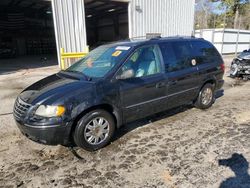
{"type": "Point", "coordinates": [184, 147]}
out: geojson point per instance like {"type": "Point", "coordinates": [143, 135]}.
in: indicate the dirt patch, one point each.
{"type": "Point", "coordinates": [177, 148]}
{"type": "Point", "coordinates": [243, 117]}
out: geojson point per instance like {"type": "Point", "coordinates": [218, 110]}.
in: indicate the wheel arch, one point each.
{"type": "Point", "coordinates": [209, 81]}
{"type": "Point", "coordinates": [197, 102]}
{"type": "Point", "coordinates": [107, 107]}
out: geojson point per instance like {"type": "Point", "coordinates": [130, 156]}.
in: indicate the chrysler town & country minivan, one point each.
{"type": "Point", "coordinates": [116, 84]}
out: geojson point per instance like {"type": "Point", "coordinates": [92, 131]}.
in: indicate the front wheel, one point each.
{"type": "Point", "coordinates": [206, 97]}
{"type": "Point", "coordinates": [94, 130]}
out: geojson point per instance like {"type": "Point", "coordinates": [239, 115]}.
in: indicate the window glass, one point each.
{"type": "Point", "coordinates": [100, 61]}
{"type": "Point", "coordinates": [176, 55]}
{"type": "Point", "coordinates": [144, 61]}
{"type": "Point", "coordinates": [204, 52]}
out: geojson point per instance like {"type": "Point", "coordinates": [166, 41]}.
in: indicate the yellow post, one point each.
{"type": "Point", "coordinates": [87, 49]}
{"type": "Point", "coordinates": [62, 59]}
{"type": "Point", "coordinates": [64, 55]}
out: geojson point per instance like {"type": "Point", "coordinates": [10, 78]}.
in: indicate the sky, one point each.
{"type": "Point", "coordinates": [214, 7]}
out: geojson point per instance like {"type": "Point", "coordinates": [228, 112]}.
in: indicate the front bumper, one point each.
{"type": "Point", "coordinates": [244, 69]}
{"type": "Point", "coordinates": [49, 135]}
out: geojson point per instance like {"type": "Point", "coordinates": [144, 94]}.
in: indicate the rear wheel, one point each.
{"type": "Point", "coordinates": [206, 97]}
{"type": "Point", "coordinates": [94, 130]}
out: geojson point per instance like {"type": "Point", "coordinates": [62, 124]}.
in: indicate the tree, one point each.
{"type": "Point", "coordinates": [245, 19]}
{"type": "Point", "coordinates": [203, 12]}
{"type": "Point", "coordinates": [222, 13]}
{"type": "Point", "coordinates": [233, 9]}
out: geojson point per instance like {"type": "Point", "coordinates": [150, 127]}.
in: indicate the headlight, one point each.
{"type": "Point", "coordinates": [50, 111]}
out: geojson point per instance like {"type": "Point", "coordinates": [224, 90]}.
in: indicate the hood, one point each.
{"type": "Point", "coordinates": [54, 87]}
{"type": "Point", "coordinates": [244, 55]}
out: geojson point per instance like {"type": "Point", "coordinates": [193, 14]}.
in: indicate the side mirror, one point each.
{"type": "Point", "coordinates": [126, 74]}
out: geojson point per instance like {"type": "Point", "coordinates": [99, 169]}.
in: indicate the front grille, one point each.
{"type": "Point", "coordinates": [20, 108]}
{"type": "Point", "coordinates": [247, 61]}
{"type": "Point", "coordinates": [244, 61]}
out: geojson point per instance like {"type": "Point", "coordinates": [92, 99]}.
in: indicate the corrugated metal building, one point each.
{"type": "Point", "coordinates": [79, 23]}
{"type": "Point", "coordinates": [167, 17]}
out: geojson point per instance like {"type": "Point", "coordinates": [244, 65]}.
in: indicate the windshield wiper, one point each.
{"type": "Point", "coordinates": [88, 78]}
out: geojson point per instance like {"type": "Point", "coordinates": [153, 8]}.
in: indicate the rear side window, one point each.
{"type": "Point", "coordinates": [176, 55]}
{"type": "Point", "coordinates": [204, 52]}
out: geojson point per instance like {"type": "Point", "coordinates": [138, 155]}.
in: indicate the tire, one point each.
{"type": "Point", "coordinates": [94, 130]}
{"type": "Point", "coordinates": [206, 91]}
{"type": "Point", "coordinates": [234, 70]}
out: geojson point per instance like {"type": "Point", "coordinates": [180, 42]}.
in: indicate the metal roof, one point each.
{"type": "Point", "coordinates": [97, 8]}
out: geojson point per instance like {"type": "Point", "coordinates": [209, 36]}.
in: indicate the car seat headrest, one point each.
{"type": "Point", "coordinates": [148, 55]}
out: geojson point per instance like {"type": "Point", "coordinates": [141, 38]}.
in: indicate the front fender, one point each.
{"type": "Point", "coordinates": [86, 107]}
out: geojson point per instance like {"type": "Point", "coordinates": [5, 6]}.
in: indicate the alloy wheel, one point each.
{"type": "Point", "coordinates": [96, 131]}
{"type": "Point", "coordinates": [207, 96]}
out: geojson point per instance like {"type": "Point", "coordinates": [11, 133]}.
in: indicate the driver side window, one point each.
{"type": "Point", "coordinates": [144, 61]}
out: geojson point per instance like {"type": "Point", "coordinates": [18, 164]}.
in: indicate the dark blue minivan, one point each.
{"type": "Point", "coordinates": [116, 84]}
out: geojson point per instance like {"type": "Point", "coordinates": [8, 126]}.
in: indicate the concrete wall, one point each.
{"type": "Point", "coordinates": [227, 41]}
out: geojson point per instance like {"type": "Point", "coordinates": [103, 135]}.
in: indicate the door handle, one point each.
{"type": "Point", "coordinates": [160, 85]}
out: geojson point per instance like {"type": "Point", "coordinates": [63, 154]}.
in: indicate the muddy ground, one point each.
{"type": "Point", "coordinates": [184, 147]}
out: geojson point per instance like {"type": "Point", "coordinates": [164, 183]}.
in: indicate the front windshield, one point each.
{"type": "Point", "coordinates": [100, 61]}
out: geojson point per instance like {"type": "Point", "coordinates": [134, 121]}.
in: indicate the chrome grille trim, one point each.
{"type": "Point", "coordinates": [20, 108]}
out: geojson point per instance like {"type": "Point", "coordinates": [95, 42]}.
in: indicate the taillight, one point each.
{"type": "Point", "coordinates": [222, 66]}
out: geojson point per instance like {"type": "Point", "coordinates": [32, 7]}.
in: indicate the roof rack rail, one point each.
{"type": "Point", "coordinates": [155, 38]}
{"type": "Point", "coordinates": [145, 37]}
{"type": "Point", "coordinates": [182, 36]}
{"type": "Point", "coordinates": [152, 36]}
{"type": "Point", "coordinates": [137, 38]}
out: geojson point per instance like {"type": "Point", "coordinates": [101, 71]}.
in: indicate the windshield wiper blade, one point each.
{"type": "Point", "coordinates": [81, 73]}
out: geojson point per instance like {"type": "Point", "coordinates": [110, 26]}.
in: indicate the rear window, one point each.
{"type": "Point", "coordinates": [204, 52]}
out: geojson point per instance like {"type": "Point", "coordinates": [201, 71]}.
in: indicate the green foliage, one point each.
{"type": "Point", "coordinates": [232, 6]}
{"type": "Point", "coordinates": [230, 14]}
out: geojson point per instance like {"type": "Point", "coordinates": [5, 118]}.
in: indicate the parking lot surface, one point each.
{"type": "Point", "coordinates": [183, 147]}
